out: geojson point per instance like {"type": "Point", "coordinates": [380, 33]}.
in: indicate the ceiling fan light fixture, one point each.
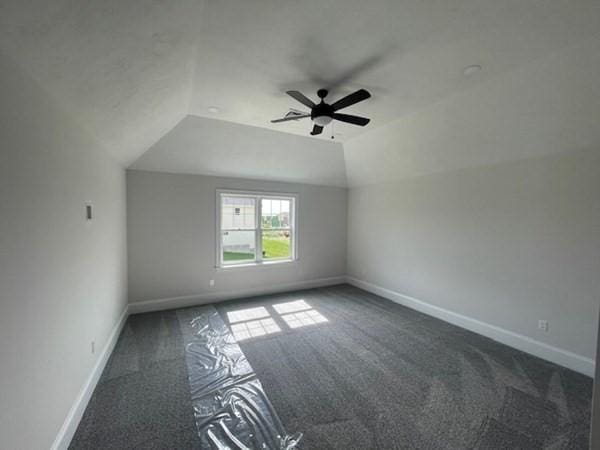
{"type": "Point", "coordinates": [322, 120]}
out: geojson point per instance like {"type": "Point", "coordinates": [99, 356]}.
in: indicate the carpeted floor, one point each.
{"type": "Point", "coordinates": [351, 371]}
{"type": "Point", "coordinates": [378, 375]}
{"type": "Point", "coordinates": [143, 397]}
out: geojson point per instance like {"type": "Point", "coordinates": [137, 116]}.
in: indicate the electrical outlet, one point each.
{"type": "Point", "coordinates": [543, 325]}
{"type": "Point", "coordinates": [211, 283]}
{"type": "Point", "coordinates": [93, 347]}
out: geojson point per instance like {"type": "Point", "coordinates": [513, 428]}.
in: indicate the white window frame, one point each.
{"type": "Point", "coordinates": [258, 195]}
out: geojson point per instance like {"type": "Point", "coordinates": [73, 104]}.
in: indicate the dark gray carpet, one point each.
{"type": "Point", "coordinates": [380, 376]}
{"type": "Point", "coordinates": [376, 375]}
{"type": "Point", "coordinates": [143, 397]}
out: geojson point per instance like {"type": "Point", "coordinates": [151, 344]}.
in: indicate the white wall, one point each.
{"type": "Point", "coordinates": [506, 244]}
{"type": "Point", "coordinates": [595, 434]}
{"type": "Point", "coordinates": [62, 280]}
{"type": "Point", "coordinates": [171, 236]}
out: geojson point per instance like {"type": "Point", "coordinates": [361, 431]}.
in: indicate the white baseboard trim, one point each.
{"type": "Point", "coordinates": [69, 426]}
{"type": "Point", "coordinates": [213, 297]}
{"type": "Point", "coordinates": [526, 344]}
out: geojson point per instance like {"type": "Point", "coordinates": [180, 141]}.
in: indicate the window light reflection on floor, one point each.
{"type": "Point", "coordinates": [289, 307]}
{"type": "Point", "coordinates": [254, 328]}
{"type": "Point", "coordinates": [303, 318]}
{"type": "Point", "coordinates": [254, 322]}
{"type": "Point", "coordinates": [247, 314]}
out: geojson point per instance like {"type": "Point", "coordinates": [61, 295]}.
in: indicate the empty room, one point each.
{"type": "Point", "coordinates": [276, 224]}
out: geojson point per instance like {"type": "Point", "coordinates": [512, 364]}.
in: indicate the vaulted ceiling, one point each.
{"type": "Point", "coordinates": [216, 147]}
{"type": "Point", "coordinates": [141, 74]}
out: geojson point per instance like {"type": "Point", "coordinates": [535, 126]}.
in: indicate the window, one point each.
{"type": "Point", "coordinates": [255, 228]}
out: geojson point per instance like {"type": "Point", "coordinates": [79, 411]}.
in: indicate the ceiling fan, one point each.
{"type": "Point", "coordinates": [323, 113]}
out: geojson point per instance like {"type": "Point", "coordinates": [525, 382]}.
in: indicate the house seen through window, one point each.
{"type": "Point", "coordinates": [255, 228]}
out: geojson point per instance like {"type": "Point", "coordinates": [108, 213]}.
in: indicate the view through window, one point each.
{"type": "Point", "coordinates": [256, 228]}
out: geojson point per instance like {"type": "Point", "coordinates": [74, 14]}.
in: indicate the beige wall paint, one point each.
{"type": "Point", "coordinates": [171, 236]}
{"type": "Point", "coordinates": [506, 244]}
{"type": "Point", "coordinates": [63, 280]}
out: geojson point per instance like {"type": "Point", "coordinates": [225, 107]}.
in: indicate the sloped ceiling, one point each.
{"type": "Point", "coordinates": [409, 54]}
{"type": "Point", "coordinates": [216, 147]}
{"type": "Point", "coordinates": [549, 106]}
{"type": "Point", "coordinates": [131, 71]}
{"type": "Point", "coordinates": [122, 68]}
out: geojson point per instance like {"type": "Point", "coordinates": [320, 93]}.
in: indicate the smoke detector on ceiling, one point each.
{"type": "Point", "coordinates": [471, 70]}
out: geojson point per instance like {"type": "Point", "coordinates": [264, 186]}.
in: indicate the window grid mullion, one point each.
{"type": "Point", "coordinates": [292, 221]}
{"type": "Point", "coordinates": [258, 232]}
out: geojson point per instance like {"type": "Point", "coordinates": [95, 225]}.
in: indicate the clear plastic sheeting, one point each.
{"type": "Point", "coordinates": [231, 408]}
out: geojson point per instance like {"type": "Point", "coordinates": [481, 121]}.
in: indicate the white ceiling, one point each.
{"type": "Point", "coordinates": [122, 68]}
{"type": "Point", "coordinates": [130, 71]}
{"type": "Point", "coordinates": [251, 52]}
{"type": "Point", "coordinates": [548, 106]}
{"type": "Point", "coordinates": [215, 147]}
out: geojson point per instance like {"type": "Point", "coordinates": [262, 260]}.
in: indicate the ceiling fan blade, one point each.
{"type": "Point", "coordinates": [292, 117]}
{"type": "Point", "coordinates": [351, 99]}
{"type": "Point", "coordinates": [354, 120]}
{"type": "Point", "coordinates": [355, 71]}
{"type": "Point", "coordinates": [301, 98]}
{"type": "Point", "coordinates": [316, 130]}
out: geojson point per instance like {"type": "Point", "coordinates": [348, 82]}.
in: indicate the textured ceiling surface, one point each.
{"type": "Point", "coordinates": [216, 147]}
{"type": "Point", "coordinates": [123, 68]}
{"type": "Point", "coordinates": [409, 54]}
{"type": "Point", "coordinates": [549, 106]}
{"type": "Point", "coordinates": [130, 71]}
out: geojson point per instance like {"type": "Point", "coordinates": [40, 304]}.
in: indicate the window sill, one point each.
{"type": "Point", "coordinates": [255, 265]}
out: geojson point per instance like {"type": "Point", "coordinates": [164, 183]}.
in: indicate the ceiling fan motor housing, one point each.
{"type": "Point", "coordinates": [322, 113]}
